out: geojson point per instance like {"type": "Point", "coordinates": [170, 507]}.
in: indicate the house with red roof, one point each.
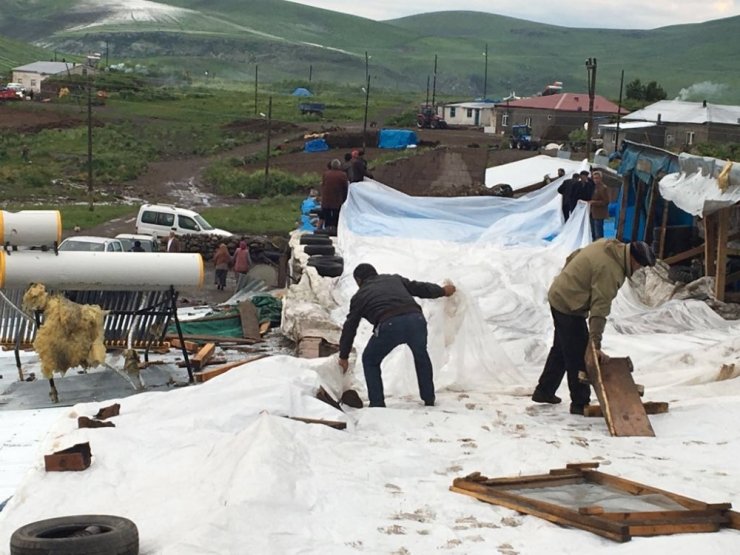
{"type": "Point", "coordinates": [552, 117]}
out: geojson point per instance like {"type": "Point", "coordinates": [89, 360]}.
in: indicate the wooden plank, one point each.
{"type": "Point", "coordinates": [619, 398]}
{"type": "Point", "coordinates": [547, 511]}
{"type": "Point", "coordinates": [651, 407]}
{"type": "Point", "coordinates": [591, 510]}
{"type": "Point", "coordinates": [720, 283]}
{"type": "Point", "coordinates": [685, 255]}
{"type": "Point", "coordinates": [264, 328]}
{"type": "Point", "coordinates": [209, 362]}
{"type": "Point", "coordinates": [648, 236]}
{"type": "Point", "coordinates": [552, 483]}
{"type": "Point", "coordinates": [218, 339]}
{"type": "Point", "coordinates": [309, 347]}
{"type": "Point", "coordinates": [663, 228]}
{"type": "Point", "coordinates": [734, 521]}
{"type": "Point", "coordinates": [639, 201]}
{"type": "Point", "coordinates": [623, 205]}
{"type": "Point", "coordinates": [663, 529]}
{"type": "Point", "coordinates": [250, 320]}
{"type": "Point", "coordinates": [205, 353]}
{"type": "Point", "coordinates": [710, 245]}
{"type": "Point", "coordinates": [666, 516]}
{"type": "Point", "coordinates": [336, 424]}
{"type": "Point", "coordinates": [205, 375]}
{"type": "Point", "coordinates": [582, 465]}
{"type": "Point", "coordinates": [521, 480]}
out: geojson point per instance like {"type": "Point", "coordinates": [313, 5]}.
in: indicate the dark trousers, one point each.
{"type": "Point", "coordinates": [330, 216]}
{"type": "Point", "coordinates": [405, 329]}
{"type": "Point", "coordinates": [567, 355]}
{"type": "Point", "coordinates": [597, 229]}
{"type": "Point", "coordinates": [221, 278]}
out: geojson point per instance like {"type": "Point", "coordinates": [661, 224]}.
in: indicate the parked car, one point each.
{"type": "Point", "coordinates": [8, 95]}
{"type": "Point", "coordinates": [160, 219]}
{"type": "Point", "coordinates": [89, 243]}
{"type": "Point", "coordinates": [148, 242]}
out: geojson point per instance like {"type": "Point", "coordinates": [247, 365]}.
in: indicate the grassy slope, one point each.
{"type": "Point", "coordinates": [228, 37]}
{"type": "Point", "coordinates": [15, 53]}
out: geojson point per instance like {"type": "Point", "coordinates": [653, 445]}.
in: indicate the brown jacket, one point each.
{"type": "Point", "coordinates": [600, 202]}
{"type": "Point", "coordinates": [333, 189]}
{"type": "Point", "coordinates": [589, 282]}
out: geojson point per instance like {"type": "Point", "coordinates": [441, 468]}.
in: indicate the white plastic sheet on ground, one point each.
{"type": "Point", "coordinates": [213, 469]}
{"type": "Point", "coordinates": [530, 171]}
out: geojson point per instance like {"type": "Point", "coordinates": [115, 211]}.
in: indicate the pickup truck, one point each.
{"type": "Point", "coordinates": [311, 108]}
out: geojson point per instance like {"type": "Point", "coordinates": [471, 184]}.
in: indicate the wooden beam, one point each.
{"type": "Point", "coordinates": [203, 356]}
{"type": "Point", "coordinates": [651, 407]}
{"type": "Point", "coordinates": [637, 516]}
{"type": "Point", "coordinates": [623, 205]}
{"type": "Point", "coordinates": [190, 346]}
{"type": "Point", "coordinates": [663, 227]}
{"type": "Point", "coordinates": [205, 375]}
{"type": "Point", "coordinates": [710, 245]}
{"type": "Point", "coordinates": [639, 201]}
{"type": "Point", "coordinates": [218, 339]}
{"type": "Point", "coordinates": [720, 283]}
{"type": "Point", "coordinates": [648, 236]}
{"type": "Point", "coordinates": [249, 320]}
{"type": "Point", "coordinates": [681, 256]}
{"type": "Point", "coordinates": [336, 424]}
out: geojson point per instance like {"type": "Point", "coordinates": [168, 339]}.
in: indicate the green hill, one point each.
{"type": "Point", "coordinates": [229, 37]}
{"type": "Point", "coordinates": [15, 53]}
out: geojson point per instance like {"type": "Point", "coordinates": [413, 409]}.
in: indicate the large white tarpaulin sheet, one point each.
{"type": "Point", "coordinates": [530, 171]}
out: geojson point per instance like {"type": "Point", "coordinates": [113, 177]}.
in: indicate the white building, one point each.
{"type": "Point", "coordinates": [31, 75]}
{"type": "Point", "coordinates": [472, 114]}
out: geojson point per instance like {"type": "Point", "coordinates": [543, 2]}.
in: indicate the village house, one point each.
{"type": "Point", "coordinates": [551, 117]}
{"type": "Point", "coordinates": [31, 75]}
{"type": "Point", "coordinates": [468, 114]}
{"type": "Point", "coordinates": [677, 124]}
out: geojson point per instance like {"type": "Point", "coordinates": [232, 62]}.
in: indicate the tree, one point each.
{"type": "Point", "coordinates": [635, 90]}
{"type": "Point", "coordinates": [654, 92]}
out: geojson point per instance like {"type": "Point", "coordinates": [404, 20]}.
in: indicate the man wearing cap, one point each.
{"type": "Point", "coordinates": [387, 302]}
{"type": "Point", "coordinates": [585, 288]}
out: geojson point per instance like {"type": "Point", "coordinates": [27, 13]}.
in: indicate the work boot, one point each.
{"type": "Point", "coordinates": [539, 397]}
{"type": "Point", "coordinates": [429, 403]}
{"type": "Point", "coordinates": [576, 409]}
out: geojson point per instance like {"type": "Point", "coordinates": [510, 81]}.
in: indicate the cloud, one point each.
{"type": "Point", "coordinates": [625, 14]}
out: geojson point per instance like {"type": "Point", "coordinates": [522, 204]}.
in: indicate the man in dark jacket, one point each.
{"type": "Point", "coordinates": [358, 167]}
{"type": "Point", "coordinates": [567, 189]}
{"type": "Point", "coordinates": [387, 302]}
{"type": "Point", "coordinates": [333, 193]}
{"type": "Point", "coordinates": [585, 288]}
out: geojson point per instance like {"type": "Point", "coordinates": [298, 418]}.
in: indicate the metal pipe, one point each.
{"type": "Point", "coordinates": [101, 271]}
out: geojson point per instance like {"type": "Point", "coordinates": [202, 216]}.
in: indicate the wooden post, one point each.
{"type": "Point", "coordinates": [623, 205]}
{"type": "Point", "coordinates": [720, 281]}
{"type": "Point", "coordinates": [638, 209]}
{"type": "Point", "coordinates": [710, 245]}
{"type": "Point", "coordinates": [651, 208]}
{"type": "Point", "coordinates": [663, 226]}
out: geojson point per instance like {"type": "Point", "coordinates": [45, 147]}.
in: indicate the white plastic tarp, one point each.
{"type": "Point", "coordinates": [530, 171]}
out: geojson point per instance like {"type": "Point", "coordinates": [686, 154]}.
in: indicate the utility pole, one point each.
{"type": "Point", "coordinates": [106, 53]}
{"type": "Point", "coordinates": [619, 112]}
{"type": "Point", "coordinates": [256, 80]}
{"type": "Point", "coordinates": [591, 71]}
{"type": "Point", "coordinates": [367, 65]}
{"type": "Point", "coordinates": [367, 100]}
{"type": "Point", "coordinates": [434, 85]}
{"type": "Point", "coordinates": [485, 74]}
{"type": "Point", "coordinates": [89, 144]}
{"type": "Point", "coordinates": [426, 102]}
{"type": "Point", "coordinates": [310, 72]}
{"type": "Point", "coordinates": [269, 136]}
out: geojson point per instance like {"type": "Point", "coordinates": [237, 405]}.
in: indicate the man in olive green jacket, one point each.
{"type": "Point", "coordinates": [585, 288]}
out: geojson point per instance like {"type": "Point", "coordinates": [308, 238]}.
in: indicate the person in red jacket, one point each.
{"type": "Point", "coordinates": [241, 261]}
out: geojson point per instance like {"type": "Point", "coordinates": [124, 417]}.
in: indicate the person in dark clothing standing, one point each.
{"type": "Point", "coordinates": [347, 165]}
{"type": "Point", "coordinates": [567, 190]}
{"type": "Point", "coordinates": [358, 167]}
{"type": "Point", "coordinates": [333, 193]}
{"type": "Point", "coordinates": [387, 302]}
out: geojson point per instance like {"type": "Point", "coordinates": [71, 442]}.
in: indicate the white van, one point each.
{"type": "Point", "coordinates": [160, 219]}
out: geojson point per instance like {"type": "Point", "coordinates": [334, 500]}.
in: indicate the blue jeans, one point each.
{"type": "Point", "coordinates": [405, 329]}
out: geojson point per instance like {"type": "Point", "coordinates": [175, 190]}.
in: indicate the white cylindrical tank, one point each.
{"type": "Point", "coordinates": [30, 228]}
{"type": "Point", "coordinates": [102, 271]}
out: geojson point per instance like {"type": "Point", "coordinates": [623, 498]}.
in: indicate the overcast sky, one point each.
{"type": "Point", "coordinates": [616, 14]}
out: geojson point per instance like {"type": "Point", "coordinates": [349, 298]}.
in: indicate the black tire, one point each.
{"type": "Point", "coordinates": [318, 249]}
{"type": "Point", "coordinates": [54, 536]}
{"type": "Point", "coordinates": [329, 231]}
{"type": "Point", "coordinates": [315, 240]}
{"type": "Point", "coordinates": [331, 269]}
{"type": "Point", "coordinates": [318, 259]}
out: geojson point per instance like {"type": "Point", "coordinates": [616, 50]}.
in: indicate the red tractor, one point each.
{"type": "Point", "coordinates": [428, 119]}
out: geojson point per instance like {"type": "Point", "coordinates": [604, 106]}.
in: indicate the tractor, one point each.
{"type": "Point", "coordinates": [521, 138]}
{"type": "Point", "coordinates": [427, 119]}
